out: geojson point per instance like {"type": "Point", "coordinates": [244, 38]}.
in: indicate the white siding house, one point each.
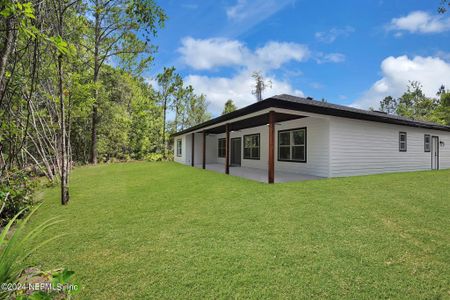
{"type": "Point", "coordinates": [313, 138]}
{"type": "Point", "coordinates": [364, 147]}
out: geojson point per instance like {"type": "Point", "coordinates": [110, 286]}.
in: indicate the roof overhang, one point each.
{"type": "Point", "coordinates": [256, 114]}
{"type": "Point", "coordinates": [255, 121]}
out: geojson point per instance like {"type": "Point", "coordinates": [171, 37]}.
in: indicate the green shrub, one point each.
{"type": "Point", "coordinates": [53, 284]}
{"type": "Point", "coordinates": [16, 189]}
{"type": "Point", "coordinates": [169, 156]}
{"type": "Point", "coordinates": [154, 157]}
{"type": "Point", "coordinates": [14, 250]}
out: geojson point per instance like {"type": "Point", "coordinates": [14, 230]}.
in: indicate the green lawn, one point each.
{"type": "Point", "coordinates": [163, 230]}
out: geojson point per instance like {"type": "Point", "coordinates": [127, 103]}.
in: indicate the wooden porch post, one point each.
{"type": "Point", "coordinates": [271, 166]}
{"type": "Point", "coordinates": [193, 148]}
{"type": "Point", "coordinates": [204, 150]}
{"type": "Point", "coordinates": [227, 149]}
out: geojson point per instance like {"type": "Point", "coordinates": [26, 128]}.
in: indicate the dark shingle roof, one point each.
{"type": "Point", "coordinates": [382, 115]}
{"type": "Point", "coordinates": [313, 106]}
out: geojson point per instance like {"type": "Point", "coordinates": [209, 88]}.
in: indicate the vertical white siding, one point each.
{"type": "Point", "coordinates": [362, 147]}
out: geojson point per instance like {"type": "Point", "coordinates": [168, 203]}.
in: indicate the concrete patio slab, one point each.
{"type": "Point", "coordinates": [259, 174]}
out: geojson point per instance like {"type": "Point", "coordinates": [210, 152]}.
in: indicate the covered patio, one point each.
{"type": "Point", "coordinates": [269, 175]}
{"type": "Point", "coordinates": [258, 174]}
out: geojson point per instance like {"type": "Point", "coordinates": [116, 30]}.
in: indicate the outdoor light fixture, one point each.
{"type": "Point", "coordinates": [442, 143]}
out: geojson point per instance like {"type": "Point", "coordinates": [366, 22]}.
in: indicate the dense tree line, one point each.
{"type": "Point", "coordinates": [414, 104]}
{"type": "Point", "coordinates": [72, 90]}
{"type": "Point", "coordinates": [189, 108]}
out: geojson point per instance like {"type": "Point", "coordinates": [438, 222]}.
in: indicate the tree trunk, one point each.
{"type": "Point", "coordinates": [64, 187]}
{"type": "Point", "coordinates": [176, 117]}
{"type": "Point", "coordinates": [4, 56]}
{"type": "Point", "coordinates": [63, 164]}
{"type": "Point", "coordinates": [93, 158]}
{"type": "Point", "coordinates": [164, 128]}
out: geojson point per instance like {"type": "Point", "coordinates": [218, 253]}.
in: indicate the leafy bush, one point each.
{"type": "Point", "coordinates": [53, 284]}
{"type": "Point", "coordinates": [118, 159]}
{"type": "Point", "coordinates": [154, 157]}
{"type": "Point", "coordinates": [169, 156]}
{"type": "Point", "coordinates": [14, 250]}
{"type": "Point", "coordinates": [16, 188]}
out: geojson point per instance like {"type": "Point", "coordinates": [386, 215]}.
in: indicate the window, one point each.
{"type": "Point", "coordinates": [221, 148]}
{"type": "Point", "coordinates": [292, 145]}
{"type": "Point", "coordinates": [251, 146]}
{"type": "Point", "coordinates": [402, 142]}
{"type": "Point", "coordinates": [179, 147]}
{"type": "Point", "coordinates": [427, 143]}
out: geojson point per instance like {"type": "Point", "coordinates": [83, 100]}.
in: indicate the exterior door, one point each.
{"type": "Point", "coordinates": [435, 153]}
{"type": "Point", "coordinates": [235, 158]}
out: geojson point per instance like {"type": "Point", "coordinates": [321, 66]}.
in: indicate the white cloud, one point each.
{"type": "Point", "coordinates": [238, 87]}
{"type": "Point", "coordinates": [443, 55]}
{"type": "Point", "coordinates": [255, 9]}
{"type": "Point", "coordinates": [209, 53]}
{"type": "Point", "coordinates": [275, 54]}
{"type": "Point", "coordinates": [322, 58]}
{"type": "Point", "coordinates": [331, 35]}
{"type": "Point", "coordinates": [420, 22]}
{"type": "Point", "coordinates": [152, 81]}
{"type": "Point", "coordinates": [238, 11]}
{"type": "Point", "coordinates": [245, 14]}
{"type": "Point", "coordinates": [205, 54]}
{"type": "Point", "coordinates": [431, 72]}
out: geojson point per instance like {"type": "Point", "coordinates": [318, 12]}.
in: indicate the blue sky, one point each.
{"type": "Point", "coordinates": [348, 52]}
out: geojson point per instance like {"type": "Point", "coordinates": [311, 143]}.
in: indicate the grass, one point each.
{"type": "Point", "coordinates": [162, 230]}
